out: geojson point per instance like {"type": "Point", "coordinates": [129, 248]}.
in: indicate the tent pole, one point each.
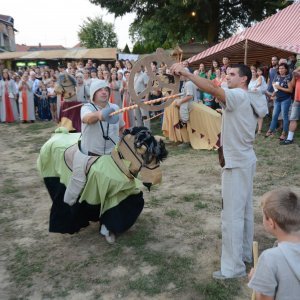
{"type": "Point", "coordinates": [246, 52]}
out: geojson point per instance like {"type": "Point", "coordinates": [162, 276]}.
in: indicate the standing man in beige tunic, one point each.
{"type": "Point", "coordinates": [241, 108]}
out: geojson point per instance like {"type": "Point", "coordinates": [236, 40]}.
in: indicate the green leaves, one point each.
{"type": "Point", "coordinates": [95, 33]}
{"type": "Point", "coordinates": [166, 23]}
{"type": "Point", "coordinates": [126, 49]}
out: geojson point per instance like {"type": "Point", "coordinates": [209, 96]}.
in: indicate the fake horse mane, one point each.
{"type": "Point", "coordinates": [144, 154]}
{"type": "Point", "coordinates": [155, 148]}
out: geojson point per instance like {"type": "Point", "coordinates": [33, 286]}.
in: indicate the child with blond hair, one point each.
{"type": "Point", "coordinates": [277, 275]}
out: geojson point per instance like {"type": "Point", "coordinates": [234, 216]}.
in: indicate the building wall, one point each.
{"type": "Point", "coordinates": [7, 37]}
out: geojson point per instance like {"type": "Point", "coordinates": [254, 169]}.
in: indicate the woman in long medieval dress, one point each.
{"type": "Point", "coordinates": [9, 111]}
{"type": "Point", "coordinates": [128, 115]}
{"type": "Point", "coordinates": [26, 101]}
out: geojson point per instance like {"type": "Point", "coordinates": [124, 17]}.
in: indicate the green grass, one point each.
{"type": "Point", "coordinates": [198, 199]}
{"type": "Point", "coordinates": [173, 213]}
{"type": "Point", "coordinates": [156, 201]}
{"type": "Point", "coordinates": [174, 150]}
{"type": "Point", "coordinates": [7, 190]}
{"type": "Point", "coordinates": [190, 197]}
{"type": "Point", "coordinates": [201, 205]}
{"type": "Point", "coordinates": [9, 187]}
{"type": "Point", "coordinates": [61, 293]}
{"type": "Point", "coordinates": [37, 127]}
{"type": "Point", "coordinates": [219, 290]}
{"type": "Point", "coordinates": [166, 268]}
{"type": "Point", "coordinates": [76, 266]}
{"type": "Point", "coordinates": [149, 256]}
{"type": "Point", "coordinates": [23, 266]}
{"type": "Point", "coordinates": [169, 270]}
{"type": "Point", "coordinates": [270, 162]}
{"type": "Point", "coordinates": [156, 126]}
{"type": "Point", "coordinates": [142, 234]}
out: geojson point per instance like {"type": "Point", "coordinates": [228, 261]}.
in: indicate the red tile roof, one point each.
{"type": "Point", "coordinates": [78, 45]}
{"type": "Point", "coordinates": [22, 48]}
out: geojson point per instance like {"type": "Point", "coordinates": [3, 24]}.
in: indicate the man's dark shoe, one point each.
{"type": "Point", "coordinates": [286, 142]}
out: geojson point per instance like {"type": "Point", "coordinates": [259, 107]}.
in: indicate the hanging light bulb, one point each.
{"type": "Point", "coordinates": [193, 13]}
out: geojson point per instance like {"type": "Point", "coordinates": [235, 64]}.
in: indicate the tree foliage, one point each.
{"type": "Point", "coordinates": [126, 49]}
{"type": "Point", "coordinates": [95, 33]}
{"type": "Point", "coordinates": [168, 22]}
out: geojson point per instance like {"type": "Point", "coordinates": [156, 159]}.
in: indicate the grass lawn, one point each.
{"type": "Point", "coordinates": [169, 253]}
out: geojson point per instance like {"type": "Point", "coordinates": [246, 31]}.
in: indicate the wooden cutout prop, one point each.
{"type": "Point", "coordinates": [156, 81]}
{"type": "Point", "coordinates": [255, 259]}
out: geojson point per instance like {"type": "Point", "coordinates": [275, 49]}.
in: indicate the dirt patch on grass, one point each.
{"type": "Point", "coordinates": [169, 253]}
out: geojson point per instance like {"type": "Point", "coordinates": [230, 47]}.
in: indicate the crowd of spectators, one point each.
{"type": "Point", "coordinates": [29, 94]}
{"type": "Point", "coordinates": [280, 83]}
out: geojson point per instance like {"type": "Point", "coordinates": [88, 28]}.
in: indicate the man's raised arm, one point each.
{"type": "Point", "coordinates": [203, 84]}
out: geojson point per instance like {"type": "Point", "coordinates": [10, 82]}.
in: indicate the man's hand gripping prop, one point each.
{"type": "Point", "coordinates": [109, 115]}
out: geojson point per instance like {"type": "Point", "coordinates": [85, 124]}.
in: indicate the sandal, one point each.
{"type": "Point", "coordinates": [282, 137]}
{"type": "Point", "coordinates": [269, 134]}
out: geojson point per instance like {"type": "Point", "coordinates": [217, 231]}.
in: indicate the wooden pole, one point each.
{"type": "Point", "coordinates": [255, 259]}
{"type": "Point", "coordinates": [151, 118]}
{"type": "Point", "coordinates": [71, 107]}
{"type": "Point", "coordinates": [132, 106]}
{"type": "Point", "coordinates": [246, 52]}
{"type": "Point", "coordinates": [146, 102]}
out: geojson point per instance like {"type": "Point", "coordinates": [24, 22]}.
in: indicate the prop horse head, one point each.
{"type": "Point", "coordinates": [139, 153]}
{"type": "Point", "coordinates": [66, 85]}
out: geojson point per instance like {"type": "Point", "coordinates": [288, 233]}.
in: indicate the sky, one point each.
{"type": "Point", "coordinates": [56, 22]}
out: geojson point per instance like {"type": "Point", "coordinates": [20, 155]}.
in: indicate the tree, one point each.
{"type": "Point", "coordinates": [95, 33]}
{"type": "Point", "coordinates": [168, 22]}
{"type": "Point", "coordinates": [126, 49]}
{"type": "Point", "coordinates": [150, 36]}
{"type": "Point", "coordinates": [138, 48]}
